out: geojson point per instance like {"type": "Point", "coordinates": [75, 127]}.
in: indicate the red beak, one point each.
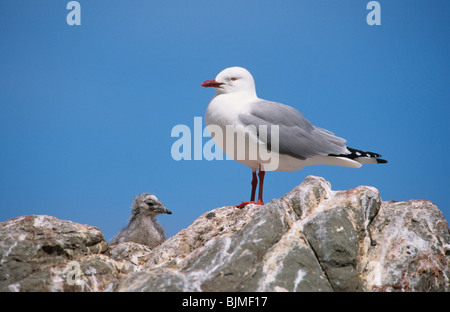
{"type": "Point", "coordinates": [211, 83]}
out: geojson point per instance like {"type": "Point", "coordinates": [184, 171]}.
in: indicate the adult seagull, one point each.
{"type": "Point", "coordinates": [298, 143]}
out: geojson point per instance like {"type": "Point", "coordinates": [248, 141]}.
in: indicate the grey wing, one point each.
{"type": "Point", "coordinates": [297, 136]}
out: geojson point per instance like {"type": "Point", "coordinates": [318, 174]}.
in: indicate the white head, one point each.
{"type": "Point", "coordinates": [232, 80]}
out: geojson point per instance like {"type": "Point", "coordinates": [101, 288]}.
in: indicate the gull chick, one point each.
{"type": "Point", "coordinates": [298, 143]}
{"type": "Point", "coordinates": [143, 227]}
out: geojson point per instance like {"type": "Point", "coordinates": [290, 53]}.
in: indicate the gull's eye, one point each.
{"type": "Point", "coordinates": [233, 78]}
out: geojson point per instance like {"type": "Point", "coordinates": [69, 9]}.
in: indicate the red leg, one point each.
{"type": "Point", "coordinates": [261, 184]}
{"type": "Point", "coordinates": [254, 184]}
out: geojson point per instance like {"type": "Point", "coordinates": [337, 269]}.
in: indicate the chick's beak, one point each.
{"type": "Point", "coordinates": [165, 210]}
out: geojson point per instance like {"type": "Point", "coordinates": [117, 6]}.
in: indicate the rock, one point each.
{"type": "Point", "coordinates": [36, 250]}
{"type": "Point", "coordinates": [311, 239]}
{"type": "Point", "coordinates": [291, 265]}
{"type": "Point", "coordinates": [128, 256]}
{"type": "Point", "coordinates": [332, 237]}
{"type": "Point", "coordinates": [409, 248]}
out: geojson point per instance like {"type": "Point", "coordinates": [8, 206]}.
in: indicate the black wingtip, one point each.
{"type": "Point", "coordinates": [355, 154]}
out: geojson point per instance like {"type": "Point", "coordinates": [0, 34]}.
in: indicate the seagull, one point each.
{"type": "Point", "coordinates": [299, 143]}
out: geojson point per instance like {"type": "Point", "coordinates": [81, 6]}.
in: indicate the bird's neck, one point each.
{"type": "Point", "coordinates": [142, 218]}
{"type": "Point", "coordinates": [245, 95]}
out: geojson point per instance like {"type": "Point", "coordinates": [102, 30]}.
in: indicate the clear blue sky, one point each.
{"type": "Point", "coordinates": [86, 111]}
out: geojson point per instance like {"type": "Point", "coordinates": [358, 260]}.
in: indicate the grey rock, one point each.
{"type": "Point", "coordinates": [128, 256]}
{"type": "Point", "coordinates": [311, 239]}
{"type": "Point", "coordinates": [224, 262]}
{"type": "Point", "coordinates": [332, 237]}
{"type": "Point", "coordinates": [304, 198]}
{"type": "Point", "coordinates": [232, 258]}
{"type": "Point", "coordinates": [35, 252]}
{"type": "Point", "coordinates": [409, 249]}
{"type": "Point", "coordinates": [290, 265]}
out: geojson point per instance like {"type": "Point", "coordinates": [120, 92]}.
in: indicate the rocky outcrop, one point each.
{"type": "Point", "coordinates": [311, 239]}
{"type": "Point", "coordinates": [35, 252]}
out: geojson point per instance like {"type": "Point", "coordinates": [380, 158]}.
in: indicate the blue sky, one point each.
{"type": "Point", "coordinates": [86, 111]}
